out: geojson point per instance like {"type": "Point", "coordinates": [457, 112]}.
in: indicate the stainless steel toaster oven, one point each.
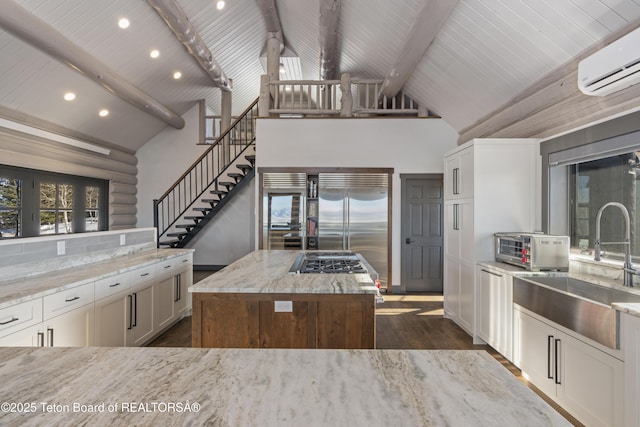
{"type": "Point", "coordinates": [533, 251]}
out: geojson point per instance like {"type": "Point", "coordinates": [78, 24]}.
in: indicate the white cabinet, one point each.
{"type": "Point", "coordinates": [20, 316]}
{"type": "Point", "coordinates": [112, 310]}
{"type": "Point", "coordinates": [584, 380]}
{"type": "Point", "coordinates": [29, 337]}
{"type": "Point", "coordinates": [141, 316]}
{"type": "Point", "coordinates": [494, 315]}
{"type": "Point", "coordinates": [491, 185]}
{"type": "Point", "coordinates": [63, 319]}
{"type": "Point", "coordinates": [74, 328]}
{"type": "Point", "coordinates": [631, 334]}
{"type": "Point", "coordinates": [112, 320]}
{"type": "Point", "coordinates": [171, 296]}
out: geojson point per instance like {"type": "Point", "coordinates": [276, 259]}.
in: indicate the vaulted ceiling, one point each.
{"type": "Point", "coordinates": [485, 55]}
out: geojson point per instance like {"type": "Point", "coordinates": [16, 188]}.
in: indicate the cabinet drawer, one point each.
{"type": "Point", "coordinates": [67, 300]}
{"type": "Point", "coordinates": [172, 266]}
{"type": "Point", "coordinates": [20, 316]}
{"type": "Point", "coordinates": [112, 285]}
{"type": "Point", "coordinates": [143, 274]}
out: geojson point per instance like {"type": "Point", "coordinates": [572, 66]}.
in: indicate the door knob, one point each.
{"type": "Point", "coordinates": [408, 241]}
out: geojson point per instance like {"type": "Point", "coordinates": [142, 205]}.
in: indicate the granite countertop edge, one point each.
{"type": "Point", "coordinates": [30, 288]}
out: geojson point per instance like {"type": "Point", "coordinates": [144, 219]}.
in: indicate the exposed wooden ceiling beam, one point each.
{"type": "Point", "coordinates": [270, 13]}
{"type": "Point", "coordinates": [554, 104]}
{"type": "Point", "coordinates": [27, 27]}
{"type": "Point", "coordinates": [175, 18]}
{"type": "Point", "coordinates": [329, 19]}
{"type": "Point", "coordinates": [429, 20]}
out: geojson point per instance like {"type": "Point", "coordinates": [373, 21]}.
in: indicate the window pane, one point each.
{"type": "Point", "coordinates": [65, 223]}
{"type": "Point", "coordinates": [47, 195]}
{"type": "Point", "coordinates": [595, 183]}
{"type": "Point", "coordinates": [92, 208]}
{"type": "Point", "coordinates": [10, 207]}
{"type": "Point", "coordinates": [47, 222]}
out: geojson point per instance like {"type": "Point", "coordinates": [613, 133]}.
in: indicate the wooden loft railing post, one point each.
{"type": "Point", "coordinates": [346, 101]}
{"type": "Point", "coordinates": [264, 104]}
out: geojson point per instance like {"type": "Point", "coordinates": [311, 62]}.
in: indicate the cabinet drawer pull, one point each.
{"type": "Point", "coordinates": [72, 299]}
{"type": "Point", "coordinates": [50, 338]}
{"type": "Point", "coordinates": [167, 266]}
{"type": "Point", "coordinates": [130, 297]}
{"type": "Point", "coordinates": [144, 274]}
{"type": "Point", "coordinates": [40, 339]}
{"type": "Point", "coordinates": [185, 260]}
{"type": "Point", "coordinates": [114, 285]}
{"type": "Point", "coordinates": [13, 319]}
{"type": "Point", "coordinates": [491, 272]}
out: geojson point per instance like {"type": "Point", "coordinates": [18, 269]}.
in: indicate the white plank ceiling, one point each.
{"type": "Point", "coordinates": [487, 53]}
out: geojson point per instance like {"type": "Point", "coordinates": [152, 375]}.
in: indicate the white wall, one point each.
{"type": "Point", "coordinates": [161, 161]}
{"type": "Point", "coordinates": [408, 145]}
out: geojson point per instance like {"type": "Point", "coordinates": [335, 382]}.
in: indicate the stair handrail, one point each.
{"type": "Point", "coordinates": [182, 179]}
{"type": "Point", "coordinates": [211, 146]}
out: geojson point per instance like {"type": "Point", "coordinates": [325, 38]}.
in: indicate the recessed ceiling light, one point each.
{"type": "Point", "coordinates": [220, 4]}
{"type": "Point", "coordinates": [103, 113]}
{"type": "Point", "coordinates": [123, 23]}
{"type": "Point", "coordinates": [177, 75]}
{"type": "Point", "coordinates": [154, 53]}
{"type": "Point", "coordinates": [69, 96]}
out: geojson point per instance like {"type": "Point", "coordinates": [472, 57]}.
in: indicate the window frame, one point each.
{"type": "Point", "coordinates": [30, 212]}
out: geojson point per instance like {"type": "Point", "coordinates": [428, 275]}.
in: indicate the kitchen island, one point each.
{"type": "Point", "coordinates": [266, 387]}
{"type": "Point", "coordinates": [256, 303]}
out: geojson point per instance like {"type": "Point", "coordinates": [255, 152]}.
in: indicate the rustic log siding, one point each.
{"type": "Point", "coordinates": [119, 168]}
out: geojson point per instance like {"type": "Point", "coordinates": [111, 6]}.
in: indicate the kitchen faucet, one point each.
{"type": "Point", "coordinates": [628, 269]}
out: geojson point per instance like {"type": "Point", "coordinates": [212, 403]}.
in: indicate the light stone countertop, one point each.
{"type": "Point", "coordinates": [629, 308]}
{"type": "Point", "coordinates": [265, 271]}
{"type": "Point", "coordinates": [265, 387]}
{"type": "Point", "coordinates": [32, 287]}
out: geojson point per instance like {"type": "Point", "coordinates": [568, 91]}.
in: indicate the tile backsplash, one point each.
{"type": "Point", "coordinates": [25, 257]}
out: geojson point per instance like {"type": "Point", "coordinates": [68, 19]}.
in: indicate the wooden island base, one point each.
{"type": "Point", "coordinates": [241, 320]}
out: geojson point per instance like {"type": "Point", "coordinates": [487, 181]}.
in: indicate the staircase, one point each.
{"type": "Point", "coordinates": [209, 184]}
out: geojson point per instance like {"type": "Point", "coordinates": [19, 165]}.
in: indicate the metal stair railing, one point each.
{"type": "Point", "coordinates": [205, 172]}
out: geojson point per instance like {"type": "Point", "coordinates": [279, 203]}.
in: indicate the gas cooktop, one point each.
{"type": "Point", "coordinates": [328, 263]}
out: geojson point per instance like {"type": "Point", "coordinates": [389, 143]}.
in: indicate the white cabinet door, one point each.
{"type": "Point", "coordinates": [74, 328]}
{"type": "Point", "coordinates": [183, 298]}
{"type": "Point", "coordinates": [29, 337]}
{"type": "Point", "coordinates": [452, 288]}
{"type": "Point", "coordinates": [591, 383]}
{"type": "Point", "coordinates": [458, 175]}
{"type": "Point", "coordinates": [487, 297]}
{"type": "Point", "coordinates": [585, 381]}
{"type": "Point", "coordinates": [466, 298]}
{"type": "Point", "coordinates": [112, 318]}
{"type": "Point", "coordinates": [494, 306]}
{"type": "Point", "coordinates": [164, 296]}
{"type": "Point", "coordinates": [631, 333]}
{"type": "Point", "coordinates": [535, 348]}
{"type": "Point", "coordinates": [142, 314]}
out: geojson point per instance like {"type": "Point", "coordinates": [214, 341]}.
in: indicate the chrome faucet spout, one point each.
{"type": "Point", "coordinates": [628, 269]}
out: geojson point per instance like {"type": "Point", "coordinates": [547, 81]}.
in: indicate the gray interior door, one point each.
{"type": "Point", "coordinates": [422, 207]}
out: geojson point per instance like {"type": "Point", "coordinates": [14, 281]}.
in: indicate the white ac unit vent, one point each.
{"type": "Point", "coordinates": [613, 68]}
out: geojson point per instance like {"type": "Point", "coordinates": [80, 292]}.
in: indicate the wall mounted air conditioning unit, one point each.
{"type": "Point", "coordinates": [613, 68]}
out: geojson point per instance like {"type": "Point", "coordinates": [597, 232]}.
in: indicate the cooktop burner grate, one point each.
{"type": "Point", "coordinates": [335, 265]}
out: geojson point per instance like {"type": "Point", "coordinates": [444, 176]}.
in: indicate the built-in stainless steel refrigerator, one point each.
{"type": "Point", "coordinates": [353, 215]}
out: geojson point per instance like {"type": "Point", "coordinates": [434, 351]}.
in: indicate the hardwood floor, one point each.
{"type": "Point", "coordinates": [412, 322]}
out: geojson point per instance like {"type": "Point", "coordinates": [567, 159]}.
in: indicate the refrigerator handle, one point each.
{"type": "Point", "coordinates": [347, 224]}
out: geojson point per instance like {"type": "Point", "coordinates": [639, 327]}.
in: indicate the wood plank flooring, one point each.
{"type": "Point", "coordinates": [413, 322]}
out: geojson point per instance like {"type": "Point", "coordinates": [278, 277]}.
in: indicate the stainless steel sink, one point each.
{"type": "Point", "coordinates": [581, 306]}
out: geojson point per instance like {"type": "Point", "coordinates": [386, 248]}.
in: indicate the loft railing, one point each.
{"type": "Point", "coordinates": [205, 172]}
{"type": "Point", "coordinates": [346, 97]}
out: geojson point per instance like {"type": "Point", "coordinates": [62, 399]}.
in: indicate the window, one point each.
{"type": "Point", "coordinates": [592, 185]}
{"type": "Point", "coordinates": [10, 207]}
{"type": "Point", "coordinates": [34, 203]}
